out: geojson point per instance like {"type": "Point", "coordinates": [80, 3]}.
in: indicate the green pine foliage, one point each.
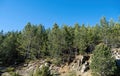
{"type": "Point", "coordinates": [102, 63]}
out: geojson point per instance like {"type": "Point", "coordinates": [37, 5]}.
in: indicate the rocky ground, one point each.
{"type": "Point", "coordinates": [79, 67]}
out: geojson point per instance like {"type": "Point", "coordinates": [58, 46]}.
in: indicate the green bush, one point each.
{"type": "Point", "coordinates": [44, 71]}
{"type": "Point", "coordinates": [14, 74]}
{"type": "Point", "coordinates": [57, 61]}
{"type": "Point", "coordinates": [10, 69]}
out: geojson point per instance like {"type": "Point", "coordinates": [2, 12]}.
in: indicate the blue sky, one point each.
{"type": "Point", "coordinates": [14, 14]}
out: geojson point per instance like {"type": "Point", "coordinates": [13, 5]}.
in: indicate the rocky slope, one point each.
{"type": "Point", "coordinates": [79, 67]}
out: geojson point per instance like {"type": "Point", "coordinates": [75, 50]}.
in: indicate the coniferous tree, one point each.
{"type": "Point", "coordinates": [8, 52]}
{"type": "Point", "coordinates": [101, 63]}
{"type": "Point", "coordinates": [26, 42]}
{"type": "Point", "coordinates": [105, 27]}
{"type": "Point", "coordinates": [54, 39]}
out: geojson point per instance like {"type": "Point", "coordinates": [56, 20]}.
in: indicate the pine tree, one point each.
{"type": "Point", "coordinates": [8, 53]}
{"type": "Point", "coordinates": [105, 28]}
{"type": "Point", "coordinates": [26, 41]}
{"type": "Point", "coordinates": [77, 36]}
{"type": "Point", "coordinates": [54, 39]}
{"type": "Point", "coordinates": [41, 41]}
{"type": "Point", "coordinates": [102, 63]}
{"type": "Point", "coordinates": [83, 39]}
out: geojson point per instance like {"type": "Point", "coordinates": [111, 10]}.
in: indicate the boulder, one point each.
{"type": "Point", "coordinates": [85, 67]}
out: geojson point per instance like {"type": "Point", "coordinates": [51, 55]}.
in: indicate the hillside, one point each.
{"type": "Point", "coordinates": [80, 66]}
{"type": "Point", "coordinates": [77, 67]}
{"type": "Point", "coordinates": [75, 50]}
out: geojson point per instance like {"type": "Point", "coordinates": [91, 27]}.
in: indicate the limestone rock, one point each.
{"type": "Point", "coordinates": [85, 67]}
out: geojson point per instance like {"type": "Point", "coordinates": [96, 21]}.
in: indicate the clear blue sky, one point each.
{"type": "Point", "coordinates": [14, 14]}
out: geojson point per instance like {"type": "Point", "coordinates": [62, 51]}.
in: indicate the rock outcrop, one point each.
{"type": "Point", "coordinates": [116, 55]}
{"type": "Point", "coordinates": [80, 65]}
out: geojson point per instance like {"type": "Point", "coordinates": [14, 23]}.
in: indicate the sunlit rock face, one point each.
{"type": "Point", "coordinates": [80, 64]}
{"type": "Point", "coordinates": [116, 55]}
